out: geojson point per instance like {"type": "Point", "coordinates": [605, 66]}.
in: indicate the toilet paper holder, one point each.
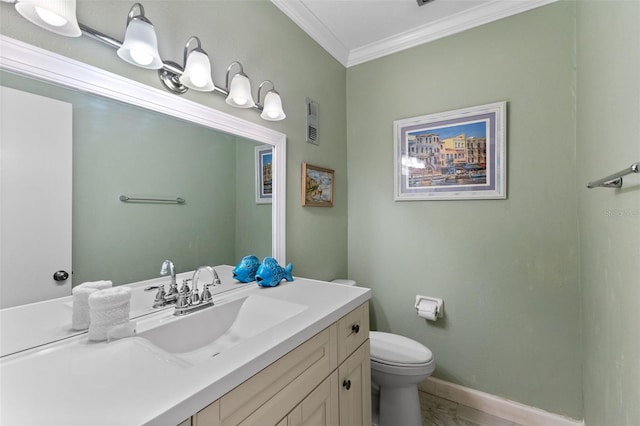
{"type": "Point", "coordinates": [439, 304]}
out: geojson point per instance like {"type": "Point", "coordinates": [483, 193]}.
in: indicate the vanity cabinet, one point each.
{"type": "Point", "coordinates": [324, 381]}
{"type": "Point", "coordinates": [319, 408]}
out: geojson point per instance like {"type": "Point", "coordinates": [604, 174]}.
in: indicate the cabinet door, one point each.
{"type": "Point", "coordinates": [208, 416]}
{"type": "Point", "coordinates": [355, 388]}
{"type": "Point", "coordinates": [320, 407]}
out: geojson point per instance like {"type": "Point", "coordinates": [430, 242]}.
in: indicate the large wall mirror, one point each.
{"type": "Point", "coordinates": [131, 139]}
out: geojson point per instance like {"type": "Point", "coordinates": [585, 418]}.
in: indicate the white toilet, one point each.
{"type": "Point", "coordinates": [398, 364]}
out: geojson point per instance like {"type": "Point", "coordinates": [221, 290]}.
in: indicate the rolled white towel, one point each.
{"type": "Point", "coordinates": [80, 317]}
{"type": "Point", "coordinates": [107, 309]}
{"type": "Point", "coordinates": [100, 285]}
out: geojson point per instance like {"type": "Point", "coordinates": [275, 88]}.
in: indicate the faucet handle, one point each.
{"type": "Point", "coordinates": [206, 296]}
{"type": "Point", "coordinates": [185, 286]}
{"type": "Point", "coordinates": [159, 300]}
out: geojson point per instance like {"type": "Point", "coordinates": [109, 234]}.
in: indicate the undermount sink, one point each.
{"type": "Point", "coordinates": [202, 335]}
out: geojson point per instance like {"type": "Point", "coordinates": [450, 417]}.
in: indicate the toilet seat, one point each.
{"type": "Point", "coordinates": [392, 349]}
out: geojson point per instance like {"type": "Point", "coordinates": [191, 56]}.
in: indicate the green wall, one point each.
{"type": "Point", "coordinates": [269, 46]}
{"type": "Point", "coordinates": [608, 130]}
{"type": "Point", "coordinates": [506, 269]}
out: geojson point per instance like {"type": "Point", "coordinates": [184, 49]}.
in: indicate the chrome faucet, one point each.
{"type": "Point", "coordinates": [168, 268]}
{"type": "Point", "coordinates": [171, 296]}
{"type": "Point", "coordinates": [190, 301]}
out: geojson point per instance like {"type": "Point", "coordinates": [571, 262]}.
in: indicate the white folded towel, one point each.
{"type": "Point", "coordinates": [107, 309]}
{"type": "Point", "coordinates": [121, 331]}
{"type": "Point", "coordinates": [100, 285]}
{"type": "Point", "coordinates": [80, 316]}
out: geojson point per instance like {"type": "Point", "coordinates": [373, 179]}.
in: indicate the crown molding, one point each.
{"type": "Point", "coordinates": [457, 23]}
{"type": "Point", "coordinates": [471, 18]}
{"type": "Point", "coordinates": [310, 24]}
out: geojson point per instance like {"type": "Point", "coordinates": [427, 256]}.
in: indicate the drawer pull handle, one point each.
{"type": "Point", "coordinates": [346, 384]}
{"type": "Point", "coordinates": [355, 328]}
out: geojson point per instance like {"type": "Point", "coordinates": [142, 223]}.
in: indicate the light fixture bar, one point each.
{"type": "Point", "coordinates": [141, 39]}
{"type": "Point", "coordinates": [97, 35]}
{"type": "Point", "coordinates": [166, 65]}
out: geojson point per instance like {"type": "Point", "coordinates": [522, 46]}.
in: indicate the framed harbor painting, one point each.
{"type": "Point", "coordinates": [264, 183]}
{"type": "Point", "coordinates": [317, 186]}
{"type": "Point", "coordinates": [453, 155]}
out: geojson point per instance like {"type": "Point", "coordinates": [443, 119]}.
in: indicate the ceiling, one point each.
{"type": "Point", "coordinates": [357, 31]}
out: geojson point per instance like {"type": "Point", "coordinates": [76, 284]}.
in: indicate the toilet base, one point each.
{"type": "Point", "coordinates": [399, 406]}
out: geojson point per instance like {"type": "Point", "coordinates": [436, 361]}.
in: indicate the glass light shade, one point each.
{"type": "Point", "coordinates": [58, 16]}
{"type": "Point", "coordinates": [197, 72]}
{"type": "Point", "coordinates": [272, 110]}
{"type": "Point", "coordinates": [240, 92]}
{"type": "Point", "coordinates": [140, 46]}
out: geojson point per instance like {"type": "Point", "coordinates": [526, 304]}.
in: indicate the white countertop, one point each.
{"type": "Point", "coordinates": [131, 382]}
{"type": "Point", "coordinates": [27, 326]}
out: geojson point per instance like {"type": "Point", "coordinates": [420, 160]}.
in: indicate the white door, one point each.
{"type": "Point", "coordinates": [35, 197]}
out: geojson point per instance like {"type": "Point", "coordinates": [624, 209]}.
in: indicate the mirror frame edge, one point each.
{"type": "Point", "coordinates": [26, 59]}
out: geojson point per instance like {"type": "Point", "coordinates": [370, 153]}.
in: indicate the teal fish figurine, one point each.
{"type": "Point", "coordinates": [245, 271]}
{"type": "Point", "coordinates": [270, 273]}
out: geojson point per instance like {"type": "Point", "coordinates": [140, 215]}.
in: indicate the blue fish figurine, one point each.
{"type": "Point", "coordinates": [270, 273]}
{"type": "Point", "coordinates": [245, 271]}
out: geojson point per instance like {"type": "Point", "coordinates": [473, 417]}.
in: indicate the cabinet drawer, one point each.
{"type": "Point", "coordinates": [353, 330]}
{"type": "Point", "coordinates": [268, 396]}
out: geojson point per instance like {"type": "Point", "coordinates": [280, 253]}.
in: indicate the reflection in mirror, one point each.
{"type": "Point", "coordinates": [178, 148]}
{"type": "Point", "coordinates": [119, 149]}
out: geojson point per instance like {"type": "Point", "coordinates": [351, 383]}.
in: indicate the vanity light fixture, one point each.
{"type": "Point", "coordinates": [58, 16]}
{"type": "Point", "coordinates": [140, 46]}
{"type": "Point", "coordinates": [239, 93]}
{"type": "Point", "coordinates": [272, 106]}
{"type": "Point", "coordinates": [197, 68]}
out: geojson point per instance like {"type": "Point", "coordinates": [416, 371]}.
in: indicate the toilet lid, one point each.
{"type": "Point", "coordinates": [391, 348]}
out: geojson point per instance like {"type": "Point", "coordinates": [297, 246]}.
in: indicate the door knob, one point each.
{"type": "Point", "coordinates": [60, 275]}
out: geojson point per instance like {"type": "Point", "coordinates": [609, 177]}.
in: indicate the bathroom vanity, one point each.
{"type": "Point", "coordinates": [289, 355]}
{"type": "Point", "coordinates": [324, 381]}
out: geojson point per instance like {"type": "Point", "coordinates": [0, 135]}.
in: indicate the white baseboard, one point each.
{"type": "Point", "coordinates": [494, 405]}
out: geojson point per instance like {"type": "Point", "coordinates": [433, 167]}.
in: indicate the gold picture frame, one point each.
{"type": "Point", "coordinates": [317, 186]}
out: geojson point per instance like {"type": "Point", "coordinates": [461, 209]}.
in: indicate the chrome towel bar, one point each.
{"type": "Point", "coordinates": [127, 199]}
{"type": "Point", "coordinates": [615, 180]}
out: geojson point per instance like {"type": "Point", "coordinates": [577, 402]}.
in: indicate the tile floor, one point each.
{"type": "Point", "coordinates": [437, 411]}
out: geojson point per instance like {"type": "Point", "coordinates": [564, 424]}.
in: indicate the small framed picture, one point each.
{"type": "Point", "coordinates": [317, 186]}
{"type": "Point", "coordinates": [453, 155]}
{"type": "Point", "coordinates": [264, 183]}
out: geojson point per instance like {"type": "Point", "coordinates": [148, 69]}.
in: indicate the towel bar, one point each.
{"type": "Point", "coordinates": [177, 200]}
{"type": "Point", "coordinates": [615, 180]}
